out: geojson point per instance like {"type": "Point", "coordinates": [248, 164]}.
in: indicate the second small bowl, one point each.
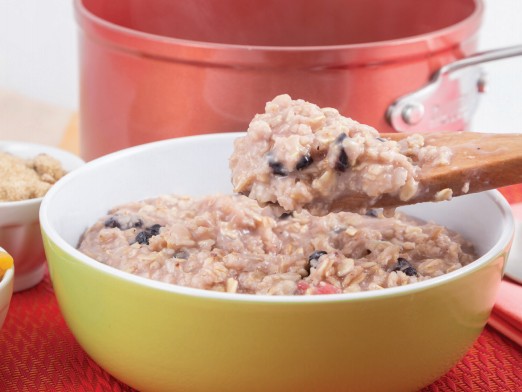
{"type": "Point", "coordinates": [19, 223]}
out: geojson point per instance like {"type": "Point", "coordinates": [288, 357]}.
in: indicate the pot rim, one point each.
{"type": "Point", "coordinates": [164, 47]}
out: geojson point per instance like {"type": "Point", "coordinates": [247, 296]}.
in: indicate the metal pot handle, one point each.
{"type": "Point", "coordinates": [449, 100]}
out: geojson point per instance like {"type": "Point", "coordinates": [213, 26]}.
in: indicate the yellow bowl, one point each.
{"type": "Point", "coordinates": [160, 337]}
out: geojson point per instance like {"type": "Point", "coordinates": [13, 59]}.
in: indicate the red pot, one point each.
{"type": "Point", "coordinates": [157, 69]}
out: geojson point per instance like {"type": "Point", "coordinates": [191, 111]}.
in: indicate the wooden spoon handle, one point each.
{"type": "Point", "coordinates": [480, 162]}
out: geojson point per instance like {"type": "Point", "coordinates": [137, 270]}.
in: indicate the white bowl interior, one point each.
{"type": "Point", "coordinates": [198, 165]}
{"type": "Point", "coordinates": [192, 166]}
{"type": "Point", "coordinates": [481, 218]}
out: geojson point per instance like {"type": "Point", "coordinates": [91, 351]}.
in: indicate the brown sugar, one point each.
{"type": "Point", "coordinates": [22, 179]}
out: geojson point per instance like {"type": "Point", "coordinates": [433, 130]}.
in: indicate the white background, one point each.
{"type": "Point", "coordinates": [38, 57]}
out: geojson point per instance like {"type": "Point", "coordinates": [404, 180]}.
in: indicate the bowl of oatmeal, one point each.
{"type": "Point", "coordinates": [27, 172]}
{"type": "Point", "coordinates": [169, 281]}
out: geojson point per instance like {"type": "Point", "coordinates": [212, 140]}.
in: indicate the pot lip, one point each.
{"type": "Point", "coordinates": [139, 41]}
{"type": "Point", "coordinates": [51, 235]}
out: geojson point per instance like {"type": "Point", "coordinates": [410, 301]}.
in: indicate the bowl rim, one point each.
{"type": "Point", "coordinates": [48, 230]}
{"type": "Point", "coordinates": [135, 43]}
{"type": "Point", "coordinates": [472, 21]}
{"type": "Point", "coordinates": [78, 161]}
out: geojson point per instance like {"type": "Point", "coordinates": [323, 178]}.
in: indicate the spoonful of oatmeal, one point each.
{"type": "Point", "coordinates": [300, 156]}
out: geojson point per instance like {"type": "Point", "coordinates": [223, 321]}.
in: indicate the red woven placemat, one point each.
{"type": "Point", "coordinates": [39, 353]}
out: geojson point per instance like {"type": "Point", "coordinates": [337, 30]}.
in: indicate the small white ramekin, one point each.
{"type": "Point", "coordinates": [19, 223]}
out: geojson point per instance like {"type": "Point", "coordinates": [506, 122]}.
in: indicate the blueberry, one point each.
{"type": "Point", "coordinates": [143, 236]}
{"type": "Point", "coordinates": [154, 229]}
{"type": "Point", "coordinates": [339, 139]}
{"type": "Point", "coordinates": [410, 271]}
{"type": "Point", "coordinates": [304, 162]}
{"type": "Point", "coordinates": [372, 213]}
{"type": "Point", "coordinates": [313, 260]}
{"type": "Point", "coordinates": [342, 161]}
{"type": "Point", "coordinates": [123, 222]}
{"type": "Point", "coordinates": [277, 168]}
{"type": "Point", "coordinates": [286, 215]}
{"type": "Point", "coordinates": [315, 255]}
{"type": "Point", "coordinates": [112, 223]}
{"type": "Point", "coordinates": [404, 266]}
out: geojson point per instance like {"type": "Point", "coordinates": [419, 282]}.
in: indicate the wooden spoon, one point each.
{"type": "Point", "coordinates": [480, 162]}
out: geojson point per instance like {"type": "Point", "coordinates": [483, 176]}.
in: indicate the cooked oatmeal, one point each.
{"type": "Point", "coordinates": [22, 179]}
{"type": "Point", "coordinates": [298, 155]}
{"type": "Point", "coordinates": [229, 243]}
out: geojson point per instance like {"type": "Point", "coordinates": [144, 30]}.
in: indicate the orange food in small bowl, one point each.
{"type": "Point", "coordinates": [6, 283]}
{"type": "Point", "coordinates": [6, 262]}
